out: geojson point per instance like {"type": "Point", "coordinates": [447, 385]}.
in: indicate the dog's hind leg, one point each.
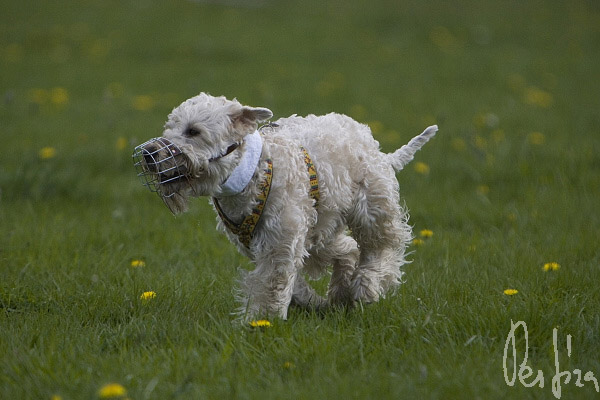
{"type": "Point", "coordinates": [344, 263]}
{"type": "Point", "coordinates": [342, 254]}
{"type": "Point", "coordinates": [379, 225]}
{"type": "Point", "coordinates": [305, 295]}
{"type": "Point", "coordinates": [379, 271]}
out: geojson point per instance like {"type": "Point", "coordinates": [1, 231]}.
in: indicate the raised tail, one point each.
{"type": "Point", "coordinates": [406, 153]}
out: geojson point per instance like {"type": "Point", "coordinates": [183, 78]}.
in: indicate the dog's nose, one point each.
{"type": "Point", "coordinates": [147, 157]}
{"type": "Point", "coordinates": [150, 154]}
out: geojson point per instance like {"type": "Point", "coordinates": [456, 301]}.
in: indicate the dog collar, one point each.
{"type": "Point", "coordinates": [242, 174]}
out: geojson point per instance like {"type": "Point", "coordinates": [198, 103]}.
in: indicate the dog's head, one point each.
{"type": "Point", "coordinates": [201, 144]}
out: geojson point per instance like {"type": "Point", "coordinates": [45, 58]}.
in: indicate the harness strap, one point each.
{"type": "Point", "coordinates": [312, 175]}
{"type": "Point", "coordinates": [245, 230]}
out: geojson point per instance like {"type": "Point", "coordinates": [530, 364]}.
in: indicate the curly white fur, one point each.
{"type": "Point", "coordinates": [358, 228]}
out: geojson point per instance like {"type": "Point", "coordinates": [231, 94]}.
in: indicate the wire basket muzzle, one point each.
{"type": "Point", "coordinates": [158, 162]}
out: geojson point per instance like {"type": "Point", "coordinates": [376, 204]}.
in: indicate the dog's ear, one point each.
{"type": "Point", "coordinates": [249, 117]}
{"type": "Point", "coordinates": [257, 114]}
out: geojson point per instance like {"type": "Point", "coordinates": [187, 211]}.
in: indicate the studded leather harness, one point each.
{"type": "Point", "coordinates": [245, 229]}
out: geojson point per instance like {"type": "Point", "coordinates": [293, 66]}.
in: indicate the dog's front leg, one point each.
{"type": "Point", "coordinates": [266, 292]}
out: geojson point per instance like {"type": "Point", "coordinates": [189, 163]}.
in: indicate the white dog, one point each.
{"type": "Point", "coordinates": [296, 196]}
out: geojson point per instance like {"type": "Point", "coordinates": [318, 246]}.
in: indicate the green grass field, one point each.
{"type": "Point", "coordinates": [510, 183]}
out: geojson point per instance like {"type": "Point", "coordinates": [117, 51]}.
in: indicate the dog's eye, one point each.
{"type": "Point", "coordinates": [192, 132]}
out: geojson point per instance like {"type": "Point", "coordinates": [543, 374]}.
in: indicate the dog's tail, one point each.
{"type": "Point", "coordinates": [406, 153]}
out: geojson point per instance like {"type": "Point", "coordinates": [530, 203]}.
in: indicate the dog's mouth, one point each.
{"type": "Point", "coordinates": [159, 162]}
{"type": "Point", "coordinates": [162, 168]}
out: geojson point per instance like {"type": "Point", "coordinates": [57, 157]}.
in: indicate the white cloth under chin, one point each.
{"type": "Point", "coordinates": [242, 174]}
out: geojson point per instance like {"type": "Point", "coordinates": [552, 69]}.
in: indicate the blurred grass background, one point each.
{"type": "Point", "coordinates": [510, 183]}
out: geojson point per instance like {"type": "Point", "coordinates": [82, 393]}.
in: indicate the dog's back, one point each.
{"type": "Point", "coordinates": [345, 143]}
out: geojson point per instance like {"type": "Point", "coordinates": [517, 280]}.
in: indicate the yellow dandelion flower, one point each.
{"type": "Point", "coordinates": [551, 266]}
{"type": "Point", "coordinates": [59, 96]}
{"type": "Point", "coordinates": [498, 136]}
{"type": "Point", "coordinates": [99, 49]}
{"type": "Point", "coordinates": [46, 153]}
{"type": "Point", "coordinates": [510, 292]}
{"type": "Point", "coordinates": [114, 90]}
{"type": "Point", "coordinates": [148, 295]}
{"type": "Point", "coordinates": [260, 323]}
{"type": "Point", "coordinates": [538, 97]}
{"type": "Point", "coordinates": [358, 111]}
{"type": "Point", "coordinates": [426, 233]}
{"type": "Point", "coordinates": [479, 120]}
{"type": "Point", "coordinates": [288, 365]}
{"type": "Point", "coordinates": [376, 127]}
{"type": "Point", "coordinates": [324, 88]}
{"type": "Point", "coordinates": [121, 144]}
{"type": "Point", "coordinates": [112, 390]}
{"type": "Point", "coordinates": [421, 168]}
{"type": "Point", "coordinates": [332, 82]}
{"type": "Point", "coordinates": [536, 138]}
{"type": "Point", "coordinates": [418, 242]}
{"type": "Point", "coordinates": [56, 397]}
{"type": "Point", "coordinates": [444, 39]}
{"type": "Point", "coordinates": [138, 263]}
{"type": "Point", "coordinates": [480, 142]}
{"type": "Point", "coordinates": [483, 190]}
{"type": "Point", "coordinates": [458, 144]}
{"type": "Point", "coordinates": [547, 267]}
{"type": "Point", "coordinates": [143, 103]}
